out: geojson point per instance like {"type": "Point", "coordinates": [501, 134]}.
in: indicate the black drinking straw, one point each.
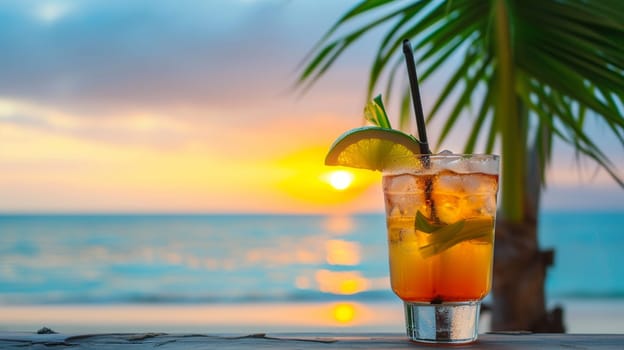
{"type": "Point", "coordinates": [420, 123]}
{"type": "Point", "coordinates": [416, 101]}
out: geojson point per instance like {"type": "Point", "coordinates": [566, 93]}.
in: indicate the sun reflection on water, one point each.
{"type": "Point", "coordinates": [381, 317]}
{"type": "Point", "coordinates": [341, 252]}
{"type": "Point", "coordinates": [339, 224]}
{"type": "Point", "coordinates": [344, 312]}
{"type": "Point", "coordinates": [341, 282]}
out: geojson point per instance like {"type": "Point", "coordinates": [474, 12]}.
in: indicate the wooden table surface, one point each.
{"type": "Point", "coordinates": [502, 341]}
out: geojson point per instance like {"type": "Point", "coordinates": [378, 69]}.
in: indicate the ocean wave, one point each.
{"type": "Point", "coordinates": [295, 297]}
{"type": "Point", "coordinates": [198, 259]}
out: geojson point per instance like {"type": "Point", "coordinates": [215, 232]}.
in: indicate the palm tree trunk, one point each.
{"type": "Point", "coordinates": [510, 123]}
{"type": "Point", "coordinates": [518, 282]}
{"type": "Point", "coordinates": [520, 267]}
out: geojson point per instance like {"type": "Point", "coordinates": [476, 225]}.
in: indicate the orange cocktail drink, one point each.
{"type": "Point", "coordinates": [440, 217]}
{"type": "Point", "coordinates": [440, 214]}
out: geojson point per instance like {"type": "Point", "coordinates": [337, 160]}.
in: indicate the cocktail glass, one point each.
{"type": "Point", "coordinates": [440, 215]}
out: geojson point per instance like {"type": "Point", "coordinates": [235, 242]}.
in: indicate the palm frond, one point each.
{"type": "Point", "coordinates": [327, 55]}
{"type": "Point", "coordinates": [464, 99]}
{"type": "Point", "coordinates": [477, 126]}
{"type": "Point", "coordinates": [452, 83]}
{"type": "Point", "coordinates": [566, 58]}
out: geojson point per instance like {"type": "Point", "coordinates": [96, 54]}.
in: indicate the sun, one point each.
{"type": "Point", "coordinates": [340, 179]}
{"type": "Point", "coordinates": [303, 176]}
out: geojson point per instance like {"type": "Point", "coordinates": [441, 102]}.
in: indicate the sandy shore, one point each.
{"type": "Point", "coordinates": [581, 316]}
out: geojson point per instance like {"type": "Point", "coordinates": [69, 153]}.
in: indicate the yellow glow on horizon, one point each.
{"type": "Point", "coordinates": [59, 161]}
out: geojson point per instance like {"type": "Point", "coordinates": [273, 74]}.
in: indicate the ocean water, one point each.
{"type": "Point", "coordinates": [588, 254]}
{"type": "Point", "coordinates": [217, 259]}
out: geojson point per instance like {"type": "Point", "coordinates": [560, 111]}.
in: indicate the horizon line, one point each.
{"type": "Point", "coordinates": [254, 213]}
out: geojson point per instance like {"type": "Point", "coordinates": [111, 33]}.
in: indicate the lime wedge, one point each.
{"type": "Point", "coordinates": [374, 148]}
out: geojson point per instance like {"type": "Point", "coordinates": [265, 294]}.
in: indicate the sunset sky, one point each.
{"type": "Point", "coordinates": [189, 106]}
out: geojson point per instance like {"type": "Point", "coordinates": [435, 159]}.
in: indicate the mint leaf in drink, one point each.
{"type": "Point", "coordinates": [375, 112]}
{"type": "Point", "coordinates": [447, 236]}
{"type": "Point", "coordinates": [425, 225]}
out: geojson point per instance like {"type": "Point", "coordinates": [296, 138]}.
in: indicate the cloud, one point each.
{"type": "Point", "coordinates": [102, 55]}
{"type": "Point", "coordinates": [51, 12]}
{"type": "Point", "coordinates": [152, 130]}
{"type": "Point", "coordinates": [153, 87]}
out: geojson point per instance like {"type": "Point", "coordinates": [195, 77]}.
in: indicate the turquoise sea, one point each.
{"type": "Point", "coordinates": [187, 259]}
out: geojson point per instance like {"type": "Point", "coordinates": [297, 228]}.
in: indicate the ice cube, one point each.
{"type": "Point", "coordinates": [444, 162]}
{"type": "Point", "coordinates": [484, 165]}
{"type": "Point", "coordinates": [478, 205]}
{"type": "Point", "coordinates": [480, 183]}
{"type": "Point", "coordinates": [400, 183]}
{"type": "Point", "coordinates": [393, 210]}
{"type": "Point", "coordinates": [472, 183]}
{"type": "Point", "coordinates": [403, 193]}
{"type": "Point", "coordinates": [448, 209]}
{"type": "Point", "coordinates": [453, 162]}
{"type": "Point", "coordinates": [448, 182]}
{"type": "Point", "coordinates": [407, 204]}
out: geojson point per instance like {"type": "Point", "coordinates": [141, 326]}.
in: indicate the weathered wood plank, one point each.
{"type": "Point", "coordinates": [508, 341]}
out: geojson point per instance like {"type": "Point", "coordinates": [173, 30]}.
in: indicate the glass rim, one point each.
{"type": "Point", "coordinates": [475, 156]}
{"type": "Point", "coordinates": [417, 162]}
{"type": "Point", "coordinates": [484, 156]}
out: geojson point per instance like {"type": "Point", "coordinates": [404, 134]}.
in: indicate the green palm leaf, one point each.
{"type": "Point", "coordinates": [560, 62]}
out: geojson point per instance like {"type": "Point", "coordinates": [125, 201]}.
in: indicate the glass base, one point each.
{"type": "Point", "coordinates": [442, 323]}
